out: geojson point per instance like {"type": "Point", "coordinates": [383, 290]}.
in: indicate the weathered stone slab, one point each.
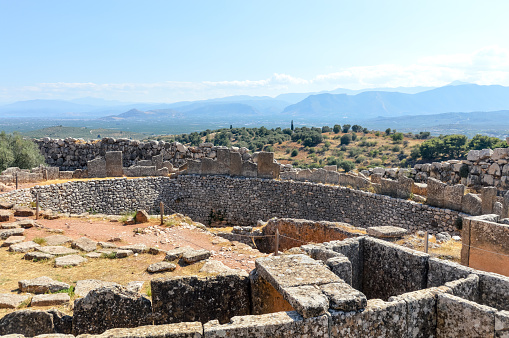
{"type": "Point", "coordinates": [70, 260]}
{"type": "Point", "coordinates": [110, 307]}
{"type": "Point", "coordinates": [176, 253]}
{"type": "Point", "coordinates": [11, 232]}
{"type": "Point", "coordinates": [381, 279]}
{"type": "Point", "coordinates": [136, 248]}
{"type": "Point", "coordinates": [466, 288]}
{"type": "Point", "coordinates": [135, 286]}
{"type": "Point", "coordinates": [13, 240]}
{"type": "Point", "coordinates": [488, 196]}
{"type": "Point", "coordinates": [13, 225]}
{"type": "Point", "coordinates": [307, 300]}
{"type": "Point", "coordinates": [123, 253]}
{"type": "Point", "coordinates": [271, 325]}
{"type": "Point", "coordinates": [461, 318]}
{"type": "Point", "coordinates": [343, 297]}
{"type": "Point", "coordinates": [342, 267]}
{"type": "Point", "coordinates": [472, 204]}
{"type": "Point", "coordinates": [106, 245]}
{"type": "Point", "coordinates": [32, 323]}
{"type": "Point", "coordinates": [37, 256]}
{"type": "Point", "coordinates": [84, 244]}
{"type": "Point", "coordinates": [26, 223]}
{"type": "Point", "coordinates": [24, 246]}
{"type": "Point", "coordinates": [6, 205]}
{"type": "Point", "coordinates": [213, 267]}
{"type": "Point", "coordinates": [97, 167]}
{"type": "Point", "coordinates": [12, 300]}
{"type": "Point", "coordinates": [453, 196]}
{"type": "Point", "coordinates": [141, 216]}
{"type": "Point", "coordinates": [41, 285]}
{"type": "Point", "coordinates": [6, 216]}
{"type": "Point", "coordinates": [24, 212]}
{"type": "Point", "coordinates": [225, 295]}
{"type": "Point", "coordinates": [161, 267]}
{"type": "Point", "coordinates": [386, 231]}
{"type": "Point", "coordinates": [57, 250]}
{"type": "Point", "coordinates": [50, 299]}
{"type": "Point", "coordinates": [94, 255]}
{"type": "Point", "coordinates": [436, 191]}
{"type": "Point", "coordinates": [54, 240]}
{"type": "Point", "coordinates": [193, 256]}
{"type": "Point", "coordinates": [266, 166]}
{"type": "Point", "coordinates": [83, 287]}
{"type": "Point", "coordinates": [294, 270]}
{"type": "Point", "coordinates": [177, 330]}
{"type": "Point", "coordinates": [379, 319]}
{"type": "Point", "coordinates": [114, 164]}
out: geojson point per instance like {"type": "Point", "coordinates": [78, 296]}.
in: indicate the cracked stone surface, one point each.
{"type": "Point", "coordinates": [83, 287]}
{"type": "Point", "coordinates": [57, 250]}
{"type": "Point", "coordinates": [70, 260]}
{"type": "Point", "coordinates": [41, 285]}
{"type": "Point", "coordinates": [57, 240]}
{"type": "Point", "coordinates": [12, 300]}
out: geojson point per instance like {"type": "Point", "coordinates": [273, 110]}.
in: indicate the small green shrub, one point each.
{"type": "Point", "coordinates": [39, 240]}
{"type": "Point", "coordinates": [294, 153]}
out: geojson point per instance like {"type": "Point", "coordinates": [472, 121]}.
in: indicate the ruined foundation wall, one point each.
{"type": "Point", "coordinates": [243, 201]}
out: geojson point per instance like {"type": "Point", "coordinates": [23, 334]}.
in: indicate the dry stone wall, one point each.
{"type": "Point", "coordinates": [241, 201]}
{"type": "Point", "coordinates": [71, 154]}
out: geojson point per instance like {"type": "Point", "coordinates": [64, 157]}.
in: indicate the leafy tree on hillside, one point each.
{"type": "Point", "coordinates": [346, 139]}
{"type": "Point", "coordinates": [16, 151]}
{"type": "Point", "coordinates": [336, 129]}
{"type": "Point", "coordinates": [356, 128]}
{"type": "Point", "coordinates": [346, 128]}
{"type": "Point", "coordinates": [388, 131]}
{"type": "Point", "coordinates": [479, 142]}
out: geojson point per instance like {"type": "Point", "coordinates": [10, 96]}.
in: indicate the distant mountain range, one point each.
{"type": "Point", "coordinates": [398, 107]}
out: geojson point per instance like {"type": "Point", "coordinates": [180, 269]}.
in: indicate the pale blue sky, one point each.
{"type": "Point", "coordinates": [169, 51]}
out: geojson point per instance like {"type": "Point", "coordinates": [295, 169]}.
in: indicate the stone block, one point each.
{"type": "Point", "coordinates": [223, 162]}
{"type": "Point", "coordinates": [84, 244]}
{"type": "Point", "coordinates": [52, 173]}
{"type": "Point", "coordinates": [97, 167]}
{"type": "Point", "coordinates": [266, 166]}
{"type": "Point", "coordinates": [177, 330]}
{"type": "Point", "coordinates": [421, 317]}
{"type": "Point", "coordinates": [110, 307]}
{"type": "Point", "coordinates": [351, 248]}
{"type": "Point", "coordinates": [443, 271]}
{"type": "Point", "coordinates": [382, 280]}
{"type": "Point", "coordinates": [12, 300]}
{"type": "Point", "coordinates": [225, 296]}
{"type": "Point", "coordinates": [342, 267]}
{"type": "Point", "coordinates": [6, 233]}
{"type": "Point", "coordinates": [342, 297]}
{"type": "Point", "coordinates": [485, 154]}
{"type": "Point", "coordinates": [141, 216]}
{"type": "Point", "coordinates": [56, 250]}
{"type": "Point", "coordinates": [405, 185]}
{"type": "Point", "coordinates": [157, 161]}
{"type": "Point", "coordinates": [24, 246]}
{"type": "Point", "coordinates": [389, 187]}
{"type": "Point", "coordinates": [235, 164]}
{"type": "Point", "coordinates": [387, 231]}
{"type": "Point", "coordinates": [376, 178]}
{"type": "Point", "coordinates": [144, 163]}
{"type": "Point", "coordinates": [194, 167]}
{"type": "Point", "coordinates": [83, 287]}
{"type": "Point", "coordinates": [161, 267]}
{"type": "Point", "coordinates": [50, 299]}
{"type": "Point", "coordinates": [453, 196]}
{"type": "Point", "coordinates": [488, 196]}
{"type": "Point", "coordinates": [31, 323]}
{"type": "Point", "coordinates": [6, 216]}
{"type": "Point", "coordinates": [114, 164]}
{"type": "Point", "coordinates": [436, 190]}
{"type": "Point", "coordinates": [249, 169]}
{"type": "Point", "coordinates": [473, 155]}
{"type": "Point", "coordinates": [208, 166]}
{"type": "Point", "coordinates": [461, 318]}
{"type": "Point", "coordinates": [264, 297]}
{"type": "Point", "coordinates": [272, 325]}
{"type": "Point", "coordinates": [307, 300]}
{"type": "Point", "coordinates": [493, 290]}
{"type": "Point", "coordinates": [69, 260]}
{"type": "Point", "coordinates": [379, 319]}
{"type": "Point", "coordinates": [41, 285]}
{"type": "Point", "coordinates": [466, 288]}
{"type": "Point", "coordinates": [472, 204]}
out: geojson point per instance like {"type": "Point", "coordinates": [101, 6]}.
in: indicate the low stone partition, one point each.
{"type": "Point", "coordinates": [442, 299]}
{"type": "Point", "coordinates": [241, 201]}
{"type": "Point", "coordinates": [485, 244]}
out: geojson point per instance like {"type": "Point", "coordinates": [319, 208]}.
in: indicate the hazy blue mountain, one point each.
{"type": "Point", "coordinates": [452, 98]}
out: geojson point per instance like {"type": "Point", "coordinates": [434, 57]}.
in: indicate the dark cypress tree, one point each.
{"type": "Point", "coordinates": [291, 126]}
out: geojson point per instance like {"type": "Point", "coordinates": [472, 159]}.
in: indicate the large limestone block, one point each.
{"type": "Point", "coordinates": [453, 196]}
{"type": "Point", "coordinates": [177, 330]}
{"type": "Point", "coordinates": [41, 285]}
{"type": "Point", "coordinates": [110, 307]}
{"type": "Point", "coordinates": [460, 318]}
{"type": "Point", "coordinates": [83, 287]}
{"type": "Point", "coordinates": [472, 204]}
{"type": "Point", "coordinates": [488, 196]}
{"type": "Point", "coordinates": [436, 191]}
{"type": "Point", "coordinates": [114, 164]}
{"type": "Point", "coordinates": [32, 323]}
{"type": "Point", "coordinates": [12, 300]}
{"type": "Point", "coordinates": [200, 299]}
{"type": "Point", "coordinates": [271, 325]}
{"type": "Point", "coordinates": [266, 166]}
{"type": "Point", "coordinates": [97, 167]}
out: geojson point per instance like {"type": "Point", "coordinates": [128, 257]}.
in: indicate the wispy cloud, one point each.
{"type": "Point", "coordinates": [489, 65]}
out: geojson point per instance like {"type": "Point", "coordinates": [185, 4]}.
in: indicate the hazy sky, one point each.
{"type": "Point", "coordinates": [166, 51]}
